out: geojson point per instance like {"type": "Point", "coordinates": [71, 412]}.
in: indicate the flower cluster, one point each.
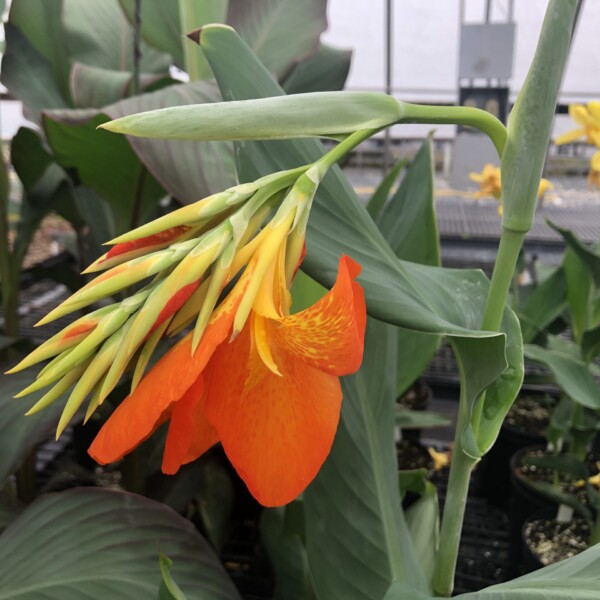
{"type": "Point", "coordinates": [588, 119]}
{"type": "Point", "coordinates": [249, 374]}
{"type": "Point", "coordinates": [490, 184]}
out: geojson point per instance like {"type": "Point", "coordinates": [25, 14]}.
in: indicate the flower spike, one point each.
{"type": "Point", "coordinates": [226, 263]}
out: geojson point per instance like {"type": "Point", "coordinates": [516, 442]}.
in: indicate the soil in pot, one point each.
{"type": "Point", "coordinates": [525, 425]}
{"type": "Point", "coordinates": [547, 541]}
{"type": "Point", "coordinates": [416, 397]}
{"type": "Point", "coordinates": [412, 455]}
{"type": "Point", "coordinates": [526, 501]}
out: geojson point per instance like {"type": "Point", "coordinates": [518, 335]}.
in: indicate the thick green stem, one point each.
{"type": "Point", "coordinates": [504, 270]}
{"type": "Point", "coordinates": [454, 512]}
{"type": "Point", "coordinates": [457, 115]}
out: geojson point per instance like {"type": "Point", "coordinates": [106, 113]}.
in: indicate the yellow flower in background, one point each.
{"type": "Point", "coordinates": [441, 460]}
{"type": "Point", "coordinates": [594, 173]}
{"type": "Point", "coordinates": [588, 119]}
{"type": "Point", "coordinates": [490, 184]}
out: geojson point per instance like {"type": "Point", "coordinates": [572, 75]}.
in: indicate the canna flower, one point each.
{"type": "Point", "coordinates": [490, 185]}
{"type": "Point", "coordinates": [248, 374]}
{"type": "Point", "coordinates": [588, 119]}
{"type": "Point", "coordinates": [270, 395]}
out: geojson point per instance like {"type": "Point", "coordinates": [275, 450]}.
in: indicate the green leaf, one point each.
{"type": "Point", "coordinates": [95, 155]}
{"type": "Point", "coordinates": [161, 26]}
{"type": "Point", "coordinates": [280, 32]}
{"type": "Point", "coordinates": [20, 434]}
{"type": "Point", "coordinates": [579, 292]}
{"type": "Point", "coordinates": [381, 194]}
{"type": "Point", "coordinates": [288, 556]}
{"type": "Point", "coordinates": [423, 519]}
{"type": "Point", "coordinates": [590, 344]}
{"type": "Point", "coordinates": [325, 114]}
{"type": "Point", "coordinates": [418, 419]}
{"type": "Point", "coordinates": [188, 170]}
{"type": "Point", "coordinates": [355, 494]}
{"type": "Point", "coordinates": [169, 590]}
{"type": "Point", "coordinates": [96, 87]}
{"type": "Point", "coordinates": [587, 255]}
{"type": "Point", "coordinates": [28, 75]}
{"type": "Point", "coordinates": [98, 34]}
{"type": "Point", "coordinates": [576, 578]}
{"type": "Point", "coordinates": [543, 305]}
{"type": "Point", "coordinates": [32, 31]}
{"type": "Point", "coordinates": [45, 188]}
{"type": "Point", "coordinates": [570, 374]}
{"type": "Point", "coordinates": [98, 544]}
{"type": "Point", "coordinates": [326, 71]}
{"type": "Point", "coordinates": [409, 224]}
{"type": "Point", "coordinates": [414, 480]}
{"type": "Point", "coordinates": [417, 297]}
{"type": "Point", "coordinates": [9, 511]}
{"type": "Point", "coordinates": [565, 463]}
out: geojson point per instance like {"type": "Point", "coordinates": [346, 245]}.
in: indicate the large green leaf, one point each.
{"type": "Point", "coordinates": [417, 297]}
{"type": "Point", "coordinates": [20, 434]}
{"type": "Point", "coordinates": [280, 32]}
{"type": "Point", "coordinates": [543, 305]}
{"type": "Point", "coordinates": [160, 25]}
{"type": "Point", "coordinates": [287, 552]}
{"type": "Point", "coordinates": [571, 374]}
{"type": "Point", "coordinates": [423, 519]}
{"type": "Point", "coordinates": [107, 165]}
{"type": "Point", "coordinates": [356, 494]}
{"type": "Point", "coordinates": [326, 71]}
{"type": "Point", "coordinates": [99, 34]}
{"type": "Point", "coordinates": [33, 29]}
{"type": "Point", "coordinates": [188, 170]}
{"type": "Point", "coordinates": [45, 37]}
{"type": "Point", "coordinates": [98, 544]}
{"type": "Point", "coordinates": [95, 87]}
{"type": "Point", "coordinates": [408, 223]}
{"type": "Point", "coordinates": [28, 75]}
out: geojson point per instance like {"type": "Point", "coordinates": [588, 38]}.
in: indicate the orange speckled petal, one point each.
{"type": "Point", "coordinates": [276, 430]}
{"type": "Point", "coordinates": [190, 434]}
{"type": "Point", "coordinates": [137, 417]}
{"type": "Point", "coordinates": [330, 334]}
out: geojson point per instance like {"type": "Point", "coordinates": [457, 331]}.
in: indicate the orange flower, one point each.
{"type": "Point", "coordinates": [268, 390]}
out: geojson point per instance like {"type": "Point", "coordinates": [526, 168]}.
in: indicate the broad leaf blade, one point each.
{"type": "Point", "coordinates": [571, 375]}
{"type": "Point", "coordinates": [98, 544]}
{"type": "Point", "coordinates": [381, 194]}
{"type": "Point", "coordinates": [326, 71]}
{"type": "Point", "coordinates": [355, 494]}
{"type": "Point", "coordinates": [20, 434]}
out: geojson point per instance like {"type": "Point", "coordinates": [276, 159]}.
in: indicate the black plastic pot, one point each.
{"type": "Point", "coordinates": [525, 501]}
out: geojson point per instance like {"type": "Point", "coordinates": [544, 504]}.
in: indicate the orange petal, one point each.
{"type": "Point", "coordinates": [138, 416]}
{"type": "Point", "coordinates": [276, 430]}
{"type": "Point", "coordinates": [190, 434]}
{"type": "Point", "coordinates": [330, 334]}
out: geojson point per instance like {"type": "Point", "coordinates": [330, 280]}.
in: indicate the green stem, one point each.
{"type": "Point", "coordinates": [454, 512]}
{"type": "Point", "coordinates": [346, 145]}
{"type": "Point", "coordinates": [504, 270]}
{"type": "Point", "coordinates": [457, 115]}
